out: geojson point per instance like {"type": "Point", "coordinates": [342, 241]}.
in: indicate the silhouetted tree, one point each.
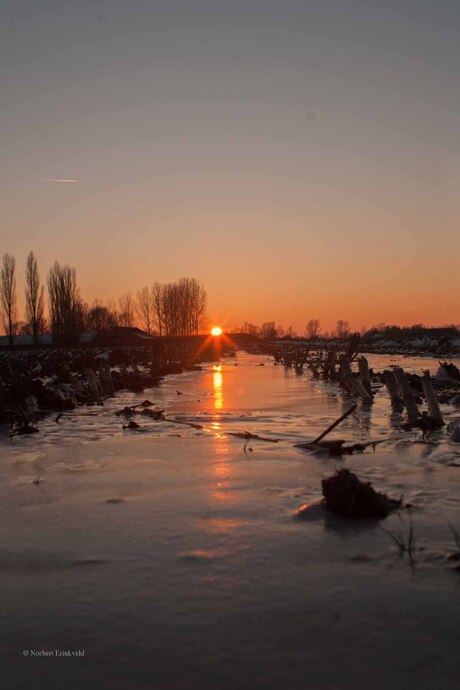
{"type": "Point", "coordinates": [250, 328]}
{"type": "Point", "coordinates": [35, 319]}
{"type": "Point", "coordinates": [8, 296]}
{"type": "Point", "coordinates": [100, 318]}
{"type": "Point", "coordinates": [313, 329]}
{"type": "Point", "coordinates": [157, 296]}
{"type": "Point", "coordinates": [342, 329]}
{"type": "Point", "coordinates": [268, 330]}
{"type": "Point", "coordinates": [180, 306]}
{"type": "Point", "coordinates": [193, 300]}
{"type": "Point", "coordinates": [144, 309]}
{"type": "Point", "coordinates": [126, 314]}
{"type": "Point", "coordinates": [67, 311]}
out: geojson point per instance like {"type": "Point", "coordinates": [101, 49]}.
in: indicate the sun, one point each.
{"type": "Point", "coordinates": [216, 330]}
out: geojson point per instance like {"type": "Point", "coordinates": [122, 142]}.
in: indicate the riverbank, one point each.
{"type": "Point", "coordinates": [35, 383]}
{"type": "Point", "coordinates": [440, 347]}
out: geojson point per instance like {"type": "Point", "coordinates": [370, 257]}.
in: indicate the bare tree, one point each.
{"type": "Point", "coordinates": [170, 309]}
{"type": "Point", "coordinates": [289, 333]}
{"type": "Point", "coordinates": [126, 312]}
{"type": "Point", "coordinates": [193, 304]}
{"type": "Point", "coordinates": [67, 311]}
{"type": "Point", "coordinates": [35, 320]}
{"type": "Point", "coordinates": [180, 307]}
{"type": "Point", "coordinates": [250, 328]}
{"type": "Point", "coordinates": [157, 296]}
{"type": "Point", "coordinates": [342, 329]}
{"type": "Point", "coordinates": [8, 296]}
{"type": "Point", "coordinates": [144, 309]}
{"type": "Point", "coordinates": [100, 318]}
{"type": "Point", "coordinates": [268, 330]}
{"type": "Point", "coordinates": [313, 329]}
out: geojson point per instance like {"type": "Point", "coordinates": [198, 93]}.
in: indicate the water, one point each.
{"type": "Point", "coordinates": [245, 394]}
{"type": "Point", "coordinates": [171, 556]}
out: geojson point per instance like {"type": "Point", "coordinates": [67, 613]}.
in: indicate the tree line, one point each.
{"type": "Point", "coordinates": [176, 308]}
{"type": "Point", "coordinates": [313, 331]}
{"type": "Point", "coordinates": [270, 331]}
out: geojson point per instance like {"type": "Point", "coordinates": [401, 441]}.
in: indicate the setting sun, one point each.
{"type": "Point", "coordinates": [216, 330]}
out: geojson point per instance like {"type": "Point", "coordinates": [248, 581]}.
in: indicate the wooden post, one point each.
{"type": "Point", "coordinates": [106, 376]}
{"type": "Point", "coordinates": [364, 374]}
{"type": "Point", "coordinates": [345, 374]}
{"type": "Point", "coordinates": [430, 396]}
{"type": "Point", "coordinates": [407, 393]}
{"type": "Point", "coordinates": [332, 364]}
{"type": "Point", "coordinates": [352, 383]}
{"type": "Point", "coordinates": [92, 383]}
{"type": "Point", "coordinates": [334, 424]}
{"type": "Point", "coordinates": [393, 391]}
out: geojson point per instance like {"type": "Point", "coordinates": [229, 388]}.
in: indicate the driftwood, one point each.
{"type": "Point", "coordinates": [153, 414]}
{"type": "Point", "coordinates": [364, 374]}
{"type": "Point", "coordinates": [336, 423]}
{"type": "Point", "coordinates": [126, 412]}
{"type": "Point", "coordinates": [329, 372]}
{"type": "Point", "coordinates": [347, 495]}
{"type": "Point", "coordinates": [312, 444]}
{"type": "Point", "coordinates": [351, 383]}
{"type": "Point", "coordinates": [450, 369]}
{"type": "Point", "coordinates": [393, 391]}
{"type": "Point", "coordinates": [106, 379]}
{"type": "Point", "coordinates": [247, 435]}
{"type": "Point", "coordinates": [131, 425]}
{"type": "Point", "coordinates": [408, 396]}
{"type": "Point", "coordinates": [353, 347]}
{"type": "Point", "coordinates": [430, 395]}
{"type": "Point", "coordinates": [341, 447]}
{"type": "Point", "coordinates": [182, 421]}
{"type": "Point", "coordinates": [93, 383]}
{"type": "Point", "coordinates": [24, 429]}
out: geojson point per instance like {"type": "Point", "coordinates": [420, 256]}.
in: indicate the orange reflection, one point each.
{"type": "Point", "coordinates": [217, 381]}
{"type": "Point", "coordinates": [217, 342]}
{"type": "Point", "coordinates": [223, 489]}
{"type": "Point", "coordinates": [216, 428]}
{"type": "Point", "coordinates": [222, 471]}
{"type": "Point", "coordinates": [223, 524]}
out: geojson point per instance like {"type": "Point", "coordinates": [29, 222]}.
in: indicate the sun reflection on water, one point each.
{"type": "Point", "coordinates": [221, 466]}
{"type": "Point", "coordinates": [217, 381]}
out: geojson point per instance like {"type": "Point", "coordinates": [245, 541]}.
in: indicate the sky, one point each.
{"type": "Point", "coordinates": [299, 157]}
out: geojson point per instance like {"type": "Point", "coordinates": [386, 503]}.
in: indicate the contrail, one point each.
{"type": "Point", "coordinates": [47, 179]}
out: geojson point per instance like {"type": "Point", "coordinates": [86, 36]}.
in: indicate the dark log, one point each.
{"type": "Point", "coordinates": [311, 444]}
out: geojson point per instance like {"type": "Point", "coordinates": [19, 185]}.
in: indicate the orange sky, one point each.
{"type": "Point", "coordinates": [302, 162]}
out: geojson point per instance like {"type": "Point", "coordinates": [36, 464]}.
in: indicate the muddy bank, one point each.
{"type": "Point", "coordinates": [34, 383]}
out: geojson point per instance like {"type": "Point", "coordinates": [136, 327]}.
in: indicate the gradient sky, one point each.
{"type": "Point", "coordinates": [300, 157]}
